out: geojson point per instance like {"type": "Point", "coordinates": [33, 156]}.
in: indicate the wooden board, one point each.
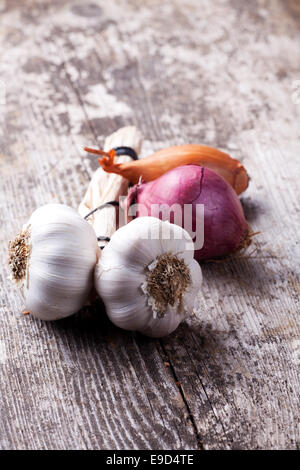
{"type": "Point", "coordinates": [222, 73]}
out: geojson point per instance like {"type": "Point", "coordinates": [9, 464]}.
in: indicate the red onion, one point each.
{"type": "Point", "coordinates": [225, 227]}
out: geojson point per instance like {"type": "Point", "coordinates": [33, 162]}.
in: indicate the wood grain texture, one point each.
{"type": "Point", "coordinates": [220, 73]}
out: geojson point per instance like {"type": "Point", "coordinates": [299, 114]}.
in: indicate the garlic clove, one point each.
{"type": "Point", "coordinates": [131, 241]}
{"type": "Point", "coordinates": [182, 243]}
{"type": "Point", "coordinates": [192, 291]}
{"type": "Point", "coordinates": [115, 282]}
{"type": "Point", "coordinates": [144, 238]}
{"type": "Point", "coordinates": [159, 327]}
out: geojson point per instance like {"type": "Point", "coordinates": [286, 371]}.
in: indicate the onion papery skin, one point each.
{"type": "Point", "coordinates": [225, 226]}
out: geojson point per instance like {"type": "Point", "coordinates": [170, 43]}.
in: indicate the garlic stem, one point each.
{"type": "Point", "coordinates": [110, 203]}
{"type": "Point", "coordinates": [105, 187]}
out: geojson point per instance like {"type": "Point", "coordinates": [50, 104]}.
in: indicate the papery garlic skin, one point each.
{"type": "Point", "coordinates": [63, 253]}
{"type": "Point", "coordinates": [105, 187]}
{"type": "Point", "coordinates": [121, 274]}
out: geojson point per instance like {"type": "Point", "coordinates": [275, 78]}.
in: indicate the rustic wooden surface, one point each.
{"type": "Point", "coordinates": [221, 73]}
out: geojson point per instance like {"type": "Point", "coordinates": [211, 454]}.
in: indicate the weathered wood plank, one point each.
{"type": "Point", "coordinates": [218, 73]}
{"type": "Point", "coordinates": [68, 379]}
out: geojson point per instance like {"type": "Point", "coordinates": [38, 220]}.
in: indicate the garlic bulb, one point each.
{"type": "Point", "coordinates": [53, 259]}
{"type": "Point", "coordinates": [147, 277]}
{"type": "Point", "coordinates": [105, 187]}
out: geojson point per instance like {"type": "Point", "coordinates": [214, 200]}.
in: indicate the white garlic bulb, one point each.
{"type": "Point", "coordinates": [53, 260]}
{"type": "Point", "coordinates": [147, 278]}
